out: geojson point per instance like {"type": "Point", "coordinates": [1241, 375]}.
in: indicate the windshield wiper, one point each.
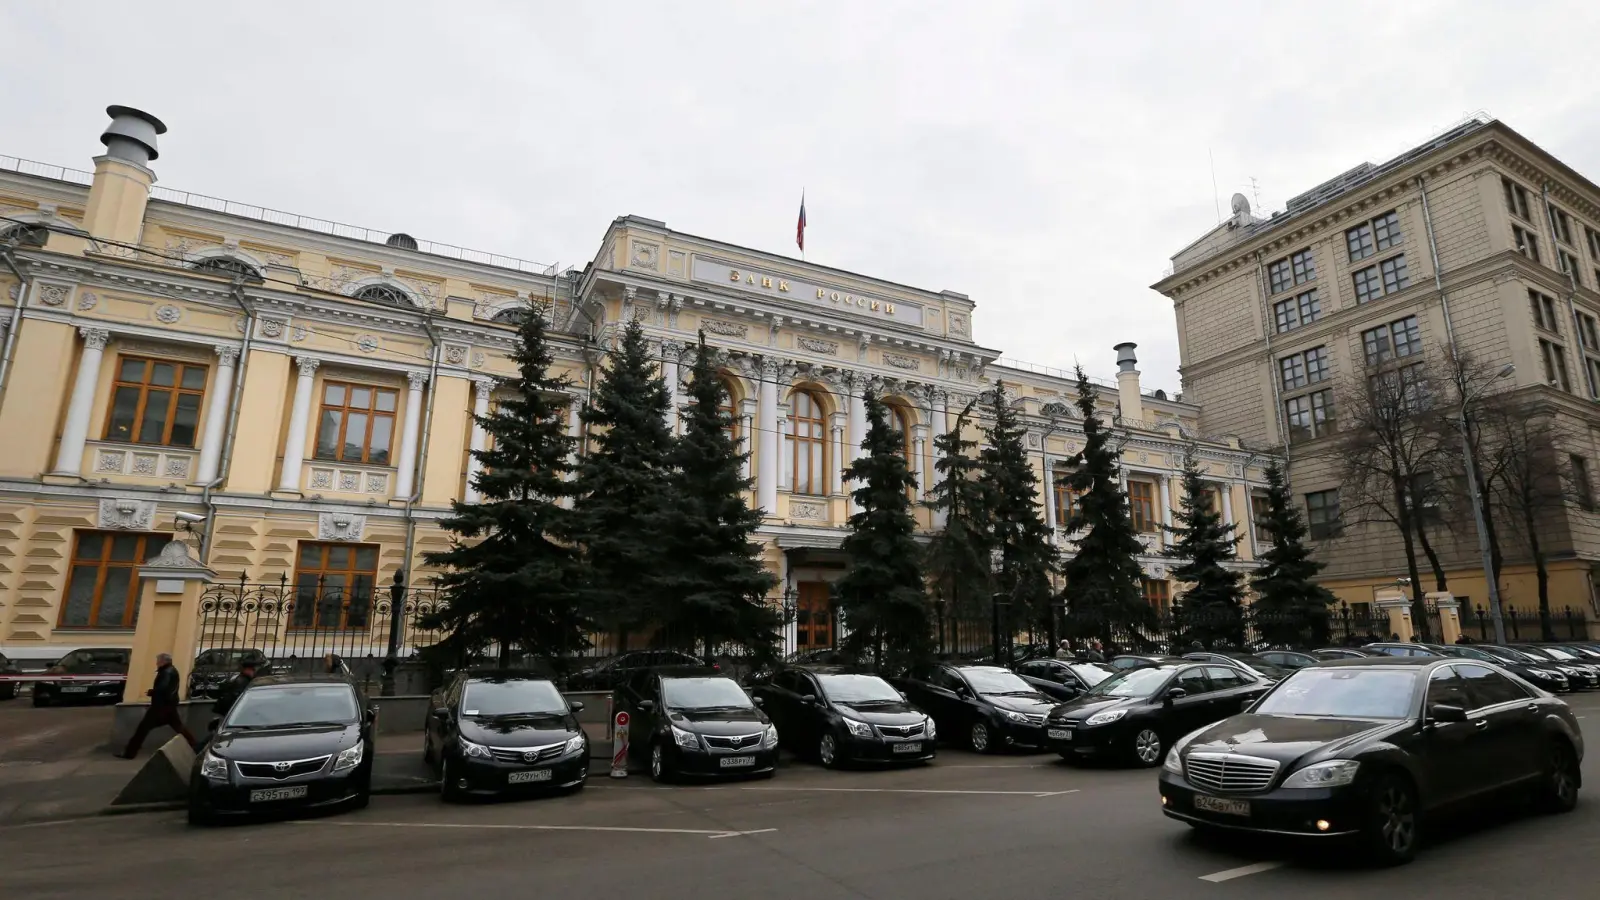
{"type": "Point", "coordinates": [1012, 694]}
{"type": "Point", "coordinates": [881, 702]}
{"type": "Point", "coordinates": [534, 714]}
{"type": "Point", "coordinates": [315, 725]}
{"type": "Point", "coordinates": [712, 708]}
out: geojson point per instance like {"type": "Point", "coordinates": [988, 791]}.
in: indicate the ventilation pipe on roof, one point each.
{"type": "Point", "coordinates": [1128, 396]}
{"type": "Point", "coordinates": [120, 190]}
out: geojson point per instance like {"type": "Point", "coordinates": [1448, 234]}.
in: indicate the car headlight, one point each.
{"type": "Point", "coordinates": [688, 740]}
{"type": "Point", "coordinates": [471, 750]}
{"type": "Point", "coordinates": [1333, 773]}
{"type": "Point", "coordinates": [1014, 716]}
{"type": "Point", "coordinates": [932, 732]}
{"type": "Point", "coordinates": [858, 729]}
{"type": "Point", "coordinates": [1105, 718]}
{"type": "Point", "coordinates": [575, 745]}
{"type": "Point", "coordinates": [349, 759]}
{"type": "Point", "coordinates": [1173, 763]}
{"type": "Point", "coordinates": [214, 767]}
{"type": "Point", "coordinates": [769, 738]}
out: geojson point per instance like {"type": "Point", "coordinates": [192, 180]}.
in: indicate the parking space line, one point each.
{"type": "Point", "coordinates": [707, 832]}
{"type": "Point", "coordinates": [845, 790]}
{"type": "Point", "coordinates": [1252, 869]}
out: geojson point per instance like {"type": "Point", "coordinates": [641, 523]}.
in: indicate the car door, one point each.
{"type": "Point", "coordinates": [1232, 689]}
{"type": "Point", "coordinates": [1454, 751]}
{"type": "Point", "coordinates": [1513, 742]}
{"type": "Point", "coordinates": [806, 718]}
{"type": "Point", "coordinates": [1196, 707]}
{"type": "Point", "coordinates": [943, 701]}
{"type": "Point", "coordinates": [780, 700]}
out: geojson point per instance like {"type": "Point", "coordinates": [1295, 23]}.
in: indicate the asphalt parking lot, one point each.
{"type": "Point", "coordinates": [967, 826]}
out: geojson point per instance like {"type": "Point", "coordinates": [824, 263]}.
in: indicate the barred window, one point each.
{"type": "Point", "coordinates": [1391, 341]}
{"type": "Point", "coordinates": [1309, 416]}
{"type": "Point", "coordinates": [1316, 364]}
{"type": "Point", "coordinates": [1407, 336]}
{"type": "Point", "coordinates": [333, 585]}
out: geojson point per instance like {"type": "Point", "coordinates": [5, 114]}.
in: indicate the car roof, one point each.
{"type": "Point", "coordinates": [293, 679]}
{"type": "Point", "coordinates": [974, 664]}
{"type": "Point", "coordinates": [830, 669]}
{"type": "Point", "coordinates": [686, 672]}
{"type": "Point", "coordinates": [1398, 662]}
{"type": "Point", "coordinates": [504, 675]}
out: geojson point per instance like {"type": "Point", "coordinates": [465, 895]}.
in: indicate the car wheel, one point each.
{"type": "Point", "coordinates": [448, 792]}
{"type": "Point", "coordinates": [1558, 792]}
{"type": "Point", "coordinates": [39, 699]}
{"type": "Point", "coordinates": [828, 751]}
{"type": "Point", "coordinates": [1392, 829]}
{"type": "Point", "coordinates": [200, 813]}
{"type": "Point", "coordinates": [1146, 748]}
{"type": "Point", "coordinates": [660, 771]}
{"type": "Point", "coordinates": [982, 738]}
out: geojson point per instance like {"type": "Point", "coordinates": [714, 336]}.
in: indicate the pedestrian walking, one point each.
{"type": "Point", "coordinates": [228, 694]}
{"type": "Point", "coordinates": [163, 709]}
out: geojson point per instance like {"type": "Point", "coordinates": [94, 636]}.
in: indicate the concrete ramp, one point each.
{"type": "Point", "coordinates": [163, 778]}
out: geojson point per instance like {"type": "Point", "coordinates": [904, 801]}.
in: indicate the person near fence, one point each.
{"type": "Point", "coordinates": [1065, 650]}
{"type": "Point", "coordinates": [228, 694]}
{"type": "Point", "coordinates": [163, 709]}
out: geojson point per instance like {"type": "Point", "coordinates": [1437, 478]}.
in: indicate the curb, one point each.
{"type": "Point", "coordinates": [126, 809]}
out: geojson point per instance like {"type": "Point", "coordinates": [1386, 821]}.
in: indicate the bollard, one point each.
{"type": "Point", "coordinates": [619, 747]}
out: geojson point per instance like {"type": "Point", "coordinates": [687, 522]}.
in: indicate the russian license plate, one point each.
{"type": "Point", "coordinates": [908, 747]}
{"type": "Point", "coordinates": [1221, 805]}
{"type": "Point", "coordinates": [530, 776]}
{"type": "Point", "coordinates": [736, 762]}
{"type": "Point", "coordinates": [267, 795]}
{"type": "Point", "coordinates": [1060, 734]}
{"type": "Point", "coordinates": [74, 689]}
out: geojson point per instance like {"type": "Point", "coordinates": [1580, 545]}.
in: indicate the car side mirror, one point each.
{"type": "Point", "coordinates": [575, 705]}
{"type": "Point", "coordinates": [759, 701]}
{"type": "Point", "coordinates": [1176, 693]}
{"type": "Point", "coordinates": [809, 698]}
{"type": "Point", "coordinates": [442, 714]}
{"type": "Point", "coordinates": [646, 705]}
{"type": "Point", "coordinates": [1445, 712]}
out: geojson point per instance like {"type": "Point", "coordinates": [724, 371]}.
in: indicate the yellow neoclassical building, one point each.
{"type": "Point", "coordinates": [301, 391]}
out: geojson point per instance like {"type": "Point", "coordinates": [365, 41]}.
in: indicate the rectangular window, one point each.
{"type": "Point", "coordinates": [1568, 264]}
{"type": "Point", "coordinates": [1359, 241]}
{"type": "Point", "coordinates": [1316, 364]}
{"type": "Point", "coordinates": [1261, 512]}
{"type": "Point", "coordinates": [103, 588]}
{"type": "Point", "coordinates": [1594, 243]}
{"type": "Point", "coordinates": [1296, 268]}
{"type": "Point", "coordinates": [1322, 514]}
{"type": "Point", "coordinates": [1588, 333]}
{"type": "Point", "coordinates": [333, 585]}
{"type": "Point", "coordinates": [1395, 276]}
{"type": "Point", "coordinates": [1580, 481]}
{"type": "Point", "coordinates": [1544, 311]}
{"type": "Point", "coordinates": [1387, 229]}
{"type": "Point", "coordinates": [1516, 198]}
{"type": "Point", "coordinates": [1309, 416]}
{"type": "Point", "coordinates": [1142, 506]}
{"type": "Point", "coordinates": [154, 401]}
{"type": "Point", "coordinates": [1293, 369]}
{"type": "Point", "coordinates": [1066, 503]}
{"type": "Point", "coordinates": [1555, 364]}
{"type": "Point", "coordinates": [1296, 311]}
{"type": "Point", "coordinates": [1158, 594]}
{"type": "Point", "coordinates": [1561, 225]}
{"type": "Point", "coordinates": [1592, 368]}
{"type": "Point", "coordinates": [1369, 285]}
{"type": "Point", "coordinates": [1300, 369]}
{"type": "Point", "coordinates": [1525, 242]}
{"type": "Point", "coordinates": [356, 423]}
{"type": "Point", "coordinates": [1407, 336]}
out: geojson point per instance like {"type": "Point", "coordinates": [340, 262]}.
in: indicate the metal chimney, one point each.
{"type": "Point", "coordinates": [131, 136]}
{"type": "Point", "coordinates": [1126, 361]}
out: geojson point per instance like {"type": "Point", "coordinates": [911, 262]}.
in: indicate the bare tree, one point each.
{"type": "Point", "coordinates": [1531, 482]}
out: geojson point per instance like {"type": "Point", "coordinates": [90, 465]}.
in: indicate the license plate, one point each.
{"type": "Point", "coordinates": [1220, 805]}
{"type": "Point", "coordinates": [530, 776]}
{"type": "Point", "coordinates": [908, 747]}
{"type": "Point", "coordinates": [267, 795]}
{"type": "Point", "coordinates": [74, 689]}
{"type": "Point", "coordinates": [1060, 734]}
{"type": "Point", "coordinates": [736, 762]}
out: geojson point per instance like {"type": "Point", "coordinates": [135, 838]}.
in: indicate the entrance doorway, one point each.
{"type": "Point", "coordinates": [813, 616]}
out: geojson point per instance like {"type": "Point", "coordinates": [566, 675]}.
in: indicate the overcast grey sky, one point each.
{"type": "Point", "coordinates": [1044, 158]}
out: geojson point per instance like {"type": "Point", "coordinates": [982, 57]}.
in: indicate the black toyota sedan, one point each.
{"type": "Point", "coordinates": [1248, 661]}
{"type": "Point", "coordinates": [1063, 679]}
{"type": "Point", "coordinates": [504, 731]}
{"type": "Point", "coordinates": [695, 722]}
{"type": "Point", "coordinates": [842, 715]}
{"type": "Point", "coordinates": [1368, 748]}
{"type": "Point", "coordinates": [988, 707]}
{"type": "Point", "coordinates": [1583, 674]}
{"type": "Point", "coordinates": [1134, 716]}
{"type": "Point", "coordinates": [288, 743]}
{"type": "Point", "coordinates": [80, 684]}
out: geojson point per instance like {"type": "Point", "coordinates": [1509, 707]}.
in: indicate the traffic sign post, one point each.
{"type": "Point", "coordinates": [619, 746]}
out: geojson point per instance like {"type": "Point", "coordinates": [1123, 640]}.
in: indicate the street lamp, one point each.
{"type": "Point", "coordinates": [1477, 509]}
{"type": "Point", "coordinates": [997, 564]}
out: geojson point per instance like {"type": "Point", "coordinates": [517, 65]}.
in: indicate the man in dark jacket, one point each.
{"type": "Point", "coordinates": [163, 708]}
{"type": "Point", "coordinates": [228, 694]}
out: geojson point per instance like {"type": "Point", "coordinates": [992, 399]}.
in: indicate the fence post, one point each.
{"type": "Point", "coordinates": [169, 617]}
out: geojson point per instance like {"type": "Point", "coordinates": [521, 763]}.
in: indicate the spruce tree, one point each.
{"type": "Point", "coordinates": [508, 578]}
{"type": "Point", "coordinates": [881, 597]}
{"type": "Point", "coordinates": [621, 491]}
{"type": "Point", "coordinates": [958, 556]}
{"type": "Point", "coordinates": [713, 585]}
{"type": "Point", "coordinates": [1016, 522]}
{"type": "Point", "coordinates": [1211, 609]}
{"type": "Point", "coordinates": [1103, 592]}
{"type": "Point", "coordinates": [1290, 607]}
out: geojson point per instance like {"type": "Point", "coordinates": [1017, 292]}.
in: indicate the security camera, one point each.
{"type": "Point", "coordinates": [191, 518]}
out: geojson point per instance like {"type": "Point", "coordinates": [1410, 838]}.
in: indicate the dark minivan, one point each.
{"type": "Point", "coordinates": [494, 732]}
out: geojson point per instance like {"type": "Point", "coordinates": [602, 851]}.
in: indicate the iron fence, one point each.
{"type": "Point", "coordinates": [284, 620]}
{"type": "Point", "coordinates": [1566, 624]}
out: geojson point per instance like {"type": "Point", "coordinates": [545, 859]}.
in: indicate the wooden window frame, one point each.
{"type": "Point", "coordinates": [818, 443]}
{"type": "Point", "coordinates": [372, 413]}
{"type": "Point", "coordinates": [1142, 509]}
{"type": "Point", "coordinates": [152, 542]}
{"type": "Point", "coordinates": [730, 408]}
{"type": "Point", "coordinates": [144, 388]}
{"type": "Point", "coordinates": [1158, 593]}
{"type": "Point", "coordinates": [351, 591]}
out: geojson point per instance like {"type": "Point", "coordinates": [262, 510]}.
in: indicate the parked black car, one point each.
{"type": "Point", "coordinates": [90, 661]}
{"type": "Point", "coordinates": [988, 707]}
{"type": "Point", "coordinates": [215, 666]}
{"type": "Point", "coordinates": [618, 669]}
{"type": "Point", "coordinates": [1400, 649]}
{"type": "Point", "coordinates": [1250, 662]}
{"type": "Point", "coordinates": [1367, 748]}
{"type": "Point", "coordinates": [844, 715]}
{"type": "Point", "coordinates": [501, 731]}
{"type": "Point", "coordinates": [1141, 660]}
{"type": "Point", "coordinates": [694, 721]}
{"type": "Point", "coordinates": [289, 743]}
{"type": "Point", "coordinates": [1137, 714]}
{"type": "Point", "coordinates": [8, 689]}
{"type": "Point", "coordinates": [1063, 679]}
{"type": "Point", "coordinates": [1289, 660]}
{"type": "Point", "coordinates": [1528, 670]}
{"type": "Point", "coordinates": [1327, 653]}
{"type": "Point", "coordinates": [1583, 674]}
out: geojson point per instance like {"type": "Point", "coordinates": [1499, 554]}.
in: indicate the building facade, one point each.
{"type": "Point", "coordinates": [1477, 240]}
{"type": "Point", "coordinates": [303, 392]}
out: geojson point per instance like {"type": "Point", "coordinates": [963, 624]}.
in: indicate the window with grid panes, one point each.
{"type": "Point", "coordinates": [1406, 335]}
{"type": "Point", "coordinates": [1322, 514]}
{"type": "Point", "coordinates": [1516, 198]}
{"type": "Point", "coordinates": [103, 584]}
{"type": "Point", "coordinates": [1296, 268]}
{"type": "Point", "coordinates": [1555, 364]}
{"type": "Point", "coordinates": [1358, 241]}
{"type": "Point", "coordinates": [1316, 364]}
{"type": "Point", "coordinates": [1386, 228]}
{"type": "Point", "coordinates": [1296, 311]}
{"type": "Point", "coordinates": [1309, 416]}
{"type": "Point", "coordinates": [1561, 225]}
{"type": "Point", "coordinates": [1395, 276]}
{"type": "Point", "coordinates": [356, 423]}
{"type": "Point", "coordinates": [1066, 501]}
{"type": "Point", "coordinates": [1568, 264]}
{"type": "Point", "coordinates": [155, 402]}
{"type": "Point", "coordinates": [808, 444]}
{"type": "Point", "coordinates": [1157, 593]}
{"type": "Point", "coordinates": [1544, 311]}
{"type": "Point", "coordinates": [1594, 252]}
{"type": "Point", "coordinates": [1261, 513]}
{"type": "Point", "coordinates": [1368, 284]}
{"type": "Point", "coordinates": [333, 585]}
{"type": "Point", "coordinates": [1525, 242]}
{"type": "Point", "coordinates": [1293, 369]}
{"type": "Point", "coordinates": [1142, 505]}
{"type": "Point", "coordinates": [729, 411]}
{"type": "Point", "coordinates": [1588, 332]}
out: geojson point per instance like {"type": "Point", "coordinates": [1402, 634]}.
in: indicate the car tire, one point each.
{"type": "Point", "coordinates": [39, 699]}
{"type": "Point", "coordinates": [1145, 748]}
{"type": "Point", "coordinates": [1558, 788]}
{"type": "Point", "coordinates": [1392, 830]}
{"type": "Point", "coordinates": [199, 811]}
{"type": "Point", "coordinates": [448, 792]}
{"type": "Point", "coordinates": [828, 751]}
{"type": "Point", "coordinates": [981, 737]}
{"type": "Point", "coordinates": [660, 769]}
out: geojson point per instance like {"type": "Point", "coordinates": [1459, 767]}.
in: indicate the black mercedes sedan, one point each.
{"type": "Point", "coordinates": [288, 743]}
{"type": "Point", "coordinates": [1368, 749]}
{"type": "Point", "coordinates": [695, 722]}
{"type": "Point", "coordinates": [988, 707]}
{"type": "Point", "coordinates": [504, 731]}
{"type": "Point", "coordinates": [1548, 678]}
{"type": "Point", "coordinates": [77, 680]}
{"type": "Point", "coordinates": [1134, 716]}
{"type": "Point", "coordinates": [1063, 679]}
{"type": "Point", "coordinates": [841, 715]}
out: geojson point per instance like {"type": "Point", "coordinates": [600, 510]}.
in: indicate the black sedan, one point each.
{"type": "Point", "coordinates": [212, 668]}
{"type": "Point", "coordinates": [696, 722]}
{"type": "Point", "coordinates": [1141, 660]}
{"type": "Point", "coordinates": [1063, 679]}
{"type": "Point", "coordinates": [1136, 715]}
{"type": "Point", "coordinates": [1367, 748]}
{"type": "Point", "coordinates": [8, 689]}
{"type": "Point", "coordinates": [988, 707]}
{"type": "Point", "coordinates": [1327, 653]}
{"type": "Point", "coordinates": [1250, 662]}
{"type": "Point", "coordinates": [1289, 660]}
{"type": "Point", "coordinates": [842, 715]}
{"type": "Point", "coordinates": [80, 684]}
{"type": "Point", "coordinates": [289, 743]}
{"type": "Point", "coordinates": [607, 675]}
{"type": "Point", "coordinates": [1548, 670]}
{"type": "Point", "coordinates": [504, 731]}
{"type": "Point", "coordinates": [1581, 672]}
{"type": "Point", "coordinates": [1528, 670]}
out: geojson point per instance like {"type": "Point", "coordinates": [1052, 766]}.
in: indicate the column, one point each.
{"type": "Point", "coordinates": [211, 437]}
{"type": "Point", "coordinates": [294, 446]}
{"type": "Point", "coordinates": [405, 479]}
{"type": "Point", "coordinates": [1050, 498]}
{"type": "Point", "coordinates": [747, 422]}
{"type": "Point", "coordinates": [1165, 484]}
{"type": "Point", "coordinates": [480, 438]}
{"type": "Point", "coordinates": [919, 446]}
{"type": "Point", "coordinates": [1227, 503]}
{"type": "Point", "coordinates": [836, 430]}
{"type": "Point", "coordinates": [940, 402]}
{"type": "Point", "coordinates": [858, 423]}
{"type": "Point", "coordinates": [69, 457]}
{"type": "Point", "coordinates": [670, 351]}
{"type": "Point", "coordinates": [785, 450]}
{"type": "Point", "coordinates": [767, 437]}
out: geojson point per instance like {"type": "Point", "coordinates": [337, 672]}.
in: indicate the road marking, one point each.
{"type": "Point", "coordinates": [708, 832]}
{"type": "Point", "coordinates": [1252, 869]}
{"type": "Point", "coordinates": [844, 790]}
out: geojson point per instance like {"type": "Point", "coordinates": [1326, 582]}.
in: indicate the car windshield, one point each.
{"type": "Point", "coordinates": [1132, 683]}
{"type": "Point", "coordinates": [704, 693]}
{"type": "Point", "coordinates": [94, 661]}
{"type": "Point", "coordinates": [1343, 693]}
{"type": "Point", "coordinates": [1261, 666]}
{"type": "Point", "coordinates": [1516, 656]}
{"type": "Point", "coordinates": [229, 658]}
{"type": "Point", "coordinates": [997, 682]}
{"type": "Point", "coordinates": [1090, 673]}
{"type": "Point", "coordinates": [512, 697]}
{"type": "Point", "coordinates": [1536, 653]}
{"type": "Point", "coordinates": [858, 689]}
{"type": "Point", "coordinates": [1558, 653]}
{"type": "Point", "coordinates": [281, 706]}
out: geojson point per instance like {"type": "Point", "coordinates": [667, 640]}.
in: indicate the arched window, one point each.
{"type": "Point", "coordinates": [808, 444]}
{"type": "Point", "coordinates": [730, 408]}
{"type": "Point", "coordinates": [227, 267]}
{"type": "Point", "coordinates": [25, 234]}
{"type": "Point", "coordinates": [384, 293]}
{"type": "Point", "coordinates": [514, 315]}
{"type": "Point", "coordinates": [902, 422]}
